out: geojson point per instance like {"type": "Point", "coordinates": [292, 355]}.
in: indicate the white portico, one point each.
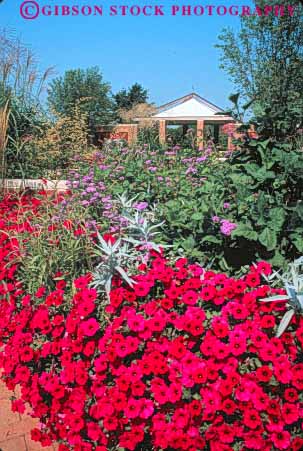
{"type": "Point", "coordinates": [188, 110]}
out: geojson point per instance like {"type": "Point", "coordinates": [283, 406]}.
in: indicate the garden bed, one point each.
{"type": "Point", "coordinates": [186, 359]}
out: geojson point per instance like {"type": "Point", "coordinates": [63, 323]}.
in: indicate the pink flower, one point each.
{"type": "Point", "coordinates": [281, 440]}
{"type": "Point", "coordinates": [89, 327]}
{"type": "Point", "coordinates": [140, 206]}
{"type": "Point", "coordinates": [133, 408]}
{"type": "Point", "coordinates": [227, 227]}
{"type": "Point", "coordinates": [18, 406]}
{"type": "Point", "coordinates": [136, 323]}
{"type": "Point", "coordinates": [147, 408]}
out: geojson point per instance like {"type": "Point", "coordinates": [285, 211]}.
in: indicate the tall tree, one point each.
{"type": "Point", "coordinates": [83, 87]}
{"type": "Point", "coordinates": [264, 59]}
{"type": "Point", "coordinates": [127, 99]}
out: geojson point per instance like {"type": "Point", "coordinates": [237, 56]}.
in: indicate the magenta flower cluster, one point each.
{"type": "Point", "coordinates": [226, 226]}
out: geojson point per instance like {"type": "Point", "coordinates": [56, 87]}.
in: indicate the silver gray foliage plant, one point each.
{"type": "Point", "coordinates": [132, 247]}
{"type": "Point", "coordinates": [293, 284]}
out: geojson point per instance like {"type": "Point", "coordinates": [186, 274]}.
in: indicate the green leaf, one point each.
{"type": "Point", "coordinates": [223, 264]}
{"type": "Point", "coordinates": [189, 243]}
{"type": "Point", "coordinates": [277, 216]}
{"type": "Point", "coordinates": [234, 98]}
{"type": "Point", "coordinates": [277, 259]}
{"type": "Point", "coordinates": [297, 240]}
{"type": "Point", "coordinates": [197, 216]}
{"type": "Point", "coordinates": [265, 143]}
{"type": "Point", "coordinates": [211, 239]}
{"type": "Point", "coordinates": [246, 231]}
{"type": "Point", "coordinates": [248, 104]}
{"type": "Point", "coordinates": [252, 168]}
{"type": "Point", "coordinates": [268, 238]}
{"type": "Point", "coordinates": [299, 210]}
{"type": "Point", "coordinates": [186, 393]}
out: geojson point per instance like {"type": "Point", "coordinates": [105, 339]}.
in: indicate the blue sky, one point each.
{"type": "Point", "coordinates": [170, 56]}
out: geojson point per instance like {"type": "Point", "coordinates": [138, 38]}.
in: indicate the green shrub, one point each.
{"type": "Point", "coordinates": [224, 214]}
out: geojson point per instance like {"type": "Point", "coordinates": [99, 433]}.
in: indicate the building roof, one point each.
{"type": "Point", "coordinates": [191, 106]}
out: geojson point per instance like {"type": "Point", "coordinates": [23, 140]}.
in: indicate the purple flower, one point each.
{"type": "Point", "coordinates": [109, 215]}
{"type": "Point", "coordinates": [91, 224]}
{"type": "Point", "coordinates": [140, 205]}
{"type": "Point", "coordinates": [201, 159]}
{"type": "Point", "coordinates": [215, 219]}
{"type": "Point", "coordinates": [87, 178]}
{"type": "Point", "coordinates": [90, 189]}
{"type": "Point", "coordinates": [226, 205]}
{"type": "Point", "coordinates": [123, 221]}
{"type": "Point", "coordinates": [227, 227]}
{"type": "Point", "coordinates": [191, 170]}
